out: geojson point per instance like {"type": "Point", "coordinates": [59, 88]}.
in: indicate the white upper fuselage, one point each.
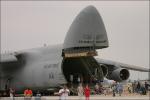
{"type": "Point", "coordinates": [42, 68]}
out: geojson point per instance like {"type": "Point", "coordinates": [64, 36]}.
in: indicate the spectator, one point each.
{"type": "Point", "coordinates": [101, 89]}
{"type": "Point", "coordinates": [146, 86]}
{"type": "Point", "coordinates": [117, 89]}
{"type": "Point", "coordinates": [80, 91]}
{"type": "Point", "coordinates": [71, 78]}
{"type": "Point", "coordinates": [120, 89]}
{"type": "Point", "coordinates": [114, 90]}
{"type": "Point", "coordinates": [78, 79]}
{"type": "Point", "coordinates": [64, 93]}
{"type": "Point", "coordinates": [28, 94]}
{"type": "Point", "coordinates": [138, 87]}
{"type": "Point", "coordinates": [143, 90]}
{"type": "Point", "coordinates": [129, 88]}
{"type": "Point", "coordinates": [134, 86]}
{"type": "Point", "coordinates": [11, 92]}
{"type": "Point", "coordinates": [96, 88]}
{"type": "Point", "coordinates": [87, 92]}
{"type": "Point", "coordinates": [105, 91]}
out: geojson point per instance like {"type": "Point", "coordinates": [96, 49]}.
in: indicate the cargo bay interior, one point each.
{"type": "Point", "coordinates": [80, 69]}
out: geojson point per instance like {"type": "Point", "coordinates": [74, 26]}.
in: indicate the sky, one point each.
{"type": "Point", "coordinates": [31, 24]}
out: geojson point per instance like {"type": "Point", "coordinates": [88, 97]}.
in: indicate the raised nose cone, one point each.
{"type": "Point", "coordinates": [87, 30]}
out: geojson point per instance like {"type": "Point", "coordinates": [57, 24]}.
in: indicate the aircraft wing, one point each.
{"type": "Point", "coordinates": [122, 65]}
{"type": "Point", "coordinates": [11, 60]}
{"type": "Point", "coordinates": [133, 67]}
{"type": "Point", "coordinates": [4, 58]}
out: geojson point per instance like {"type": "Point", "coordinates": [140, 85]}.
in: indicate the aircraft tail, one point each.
{"type": "Point", "coordinates": [86, 32]}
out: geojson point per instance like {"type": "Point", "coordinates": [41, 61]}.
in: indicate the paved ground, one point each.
{"type": "Point", "coordinates": [93, 97]}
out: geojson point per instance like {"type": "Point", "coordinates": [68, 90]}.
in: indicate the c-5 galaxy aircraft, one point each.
{"type": "Point", "coordinates": [52, 66]}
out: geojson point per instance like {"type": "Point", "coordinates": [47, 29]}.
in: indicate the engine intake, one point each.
{"type": "Point", "coordinates": [119, 75]}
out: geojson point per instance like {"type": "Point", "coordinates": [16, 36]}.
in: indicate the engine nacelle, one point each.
{"type": "Point", "coordinates": [119, 75]}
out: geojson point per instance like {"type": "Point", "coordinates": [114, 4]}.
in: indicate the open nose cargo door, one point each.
{"type": "Point", "coordinates": [86, 34]}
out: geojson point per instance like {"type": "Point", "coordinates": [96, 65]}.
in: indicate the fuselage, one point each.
{"type": "Point", "coordinates": [45, 67]}
{"type": "Point", "coordinates": [41, 69]}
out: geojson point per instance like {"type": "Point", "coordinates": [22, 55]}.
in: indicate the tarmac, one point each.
{"type": "Point", "coordinates": [92, 97]}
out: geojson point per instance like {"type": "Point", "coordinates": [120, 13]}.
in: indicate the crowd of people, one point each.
{"type": "Point", "coordinates": [140, 88]}
{"type": "Point", "coordinates": [86, 90]}
{"type": "Point", "coordinates": [113, 89]}
{"type": "Point", "coordinates": [135, 87]}
{"type": "Point", "coordinates": [63, 93]}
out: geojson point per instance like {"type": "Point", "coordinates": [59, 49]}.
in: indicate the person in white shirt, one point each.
{"type": "Point", "coordinates": [80, 91]}
{"type": "Point", "coordinates": [64, 93]}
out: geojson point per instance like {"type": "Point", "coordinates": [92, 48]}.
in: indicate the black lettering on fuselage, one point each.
{"type": "Point", "coordinates": [51, 75]}
{"type": "Point", "coordinates": [46, 66]}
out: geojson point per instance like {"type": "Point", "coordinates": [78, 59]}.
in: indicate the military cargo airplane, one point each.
{"type": "Point", "coordinates": [52, 66]}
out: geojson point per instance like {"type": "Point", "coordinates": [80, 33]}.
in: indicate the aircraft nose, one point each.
{"type": "Point", "coordinates": [90, 9]}
{"type": "Point", "coordinates": [87, 30]}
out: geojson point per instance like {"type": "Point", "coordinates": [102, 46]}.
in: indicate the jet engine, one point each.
{"type": "Point", "coordinates": [119, 74]}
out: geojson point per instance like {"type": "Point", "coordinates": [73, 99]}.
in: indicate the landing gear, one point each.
{"type": "Point", "coordinates": [4, 93]}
